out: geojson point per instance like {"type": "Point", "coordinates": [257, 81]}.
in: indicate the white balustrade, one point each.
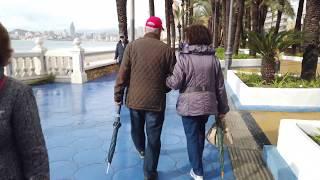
{"type": "Point", "coordinates": [23, 65]}
{"type": "Point", "coordinates": [65, 65]}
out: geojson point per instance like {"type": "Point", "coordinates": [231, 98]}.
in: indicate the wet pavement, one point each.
{"type": "Point", "coordinates": [77, 123]}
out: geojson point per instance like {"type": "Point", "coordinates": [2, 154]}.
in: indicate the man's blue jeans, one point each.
{"type": "Point", "coordinates": [194, 128]}
{"type": "Point", "coordinates": [153, 122]}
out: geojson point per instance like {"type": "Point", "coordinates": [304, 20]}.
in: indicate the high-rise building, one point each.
{"type": "Point", "coordinates": [72, 30]}
{"type": "Point", "coordinates": [287, 22]}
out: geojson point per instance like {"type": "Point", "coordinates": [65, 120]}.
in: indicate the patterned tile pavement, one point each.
{"type": "Point", "coordinates": [77, 123]}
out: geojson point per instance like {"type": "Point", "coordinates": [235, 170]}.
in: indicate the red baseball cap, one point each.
{"type": "Point", "coordinates": [154, 22]}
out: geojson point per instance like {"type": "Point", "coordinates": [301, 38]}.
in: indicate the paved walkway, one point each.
{"type": "Point", "coordinates": [77, 123]}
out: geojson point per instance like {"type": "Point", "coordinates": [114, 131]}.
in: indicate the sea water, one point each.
{"type": "Point", "coordinates": [27, 45]}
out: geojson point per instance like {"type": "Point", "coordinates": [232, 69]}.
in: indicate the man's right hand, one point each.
{"type": "Point", "coordinates": [118, 103]}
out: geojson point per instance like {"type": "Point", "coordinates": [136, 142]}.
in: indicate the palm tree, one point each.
{"type": "Point", "coordinates": [183, 15]}
{"type": "Point", "coordinates": [216, 20]}
{"type": "Point", "coordinates": [239, 28]}
{"type": "Point", "coordinates": [191, 12]}
{"type": "Point", "coordinates": [151, 7]}
{"type": "Point", "coordinates": [122, 17]}
{"type": "Point", "coordinates": [298, 21]}
{"type": "Point", "coordinates": [172, 24]}
{"type": "Point", "coordinates": [270, 45]}
{"type": "Point", "coordinates": [168, 14]}
{"type": "Point", "coordinates": [178, 15]}
{"type": "Point", "coordinates": [312, 30]}
{"type": "Point", "coordinates": [279, 15]}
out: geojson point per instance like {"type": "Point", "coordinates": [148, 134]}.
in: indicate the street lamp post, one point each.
{"type": "Point", "coordinates": [132, 20]}
{"type": "Point", "coordinates": [228, 53]}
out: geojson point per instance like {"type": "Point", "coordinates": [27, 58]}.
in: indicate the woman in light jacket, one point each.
{"type": "Point", "coordinates": [23, 153]}
{"type": "Point", "coordinates": [199, 78]}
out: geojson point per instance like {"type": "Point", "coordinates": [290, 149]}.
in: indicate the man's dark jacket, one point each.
{"type": "Point", "coordinates": [119, 51]}
{"type": "Point", "coordinates": [146, 64]}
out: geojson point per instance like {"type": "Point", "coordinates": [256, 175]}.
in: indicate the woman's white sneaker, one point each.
{"type": "Point", "coordinates": [194, 176]}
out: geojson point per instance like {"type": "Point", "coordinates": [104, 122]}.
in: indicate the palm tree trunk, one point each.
{"type": "Point", "coordinates": [211, 18]}
{"type": "Point", "coordinates": [172, 24]}
{"type": "Point", "coordinates": [234, 23]}
{"type": "Point", "coordinates": [167, 8]}
{"type": "Point", "coordinates": [263, 10]}
{"type": "Point", "coordinates": [151, 7]}
{"type": "Point", "coordinates": [267, 68]}
{"type": "Point", "coordinates": [183, 19]}
{"type": "Point", "coordinates": [279, 16]}
{"type": "Point", "coordinates": [191, 12]}
{"type": "Point", "coordinates": [216, 21]}
{"type": "Point", "coordinates": [240, 4]}
{"type": "Point", "coordinates": [122, 17]}
{"type": "Point", "coordinates": [247, 26]}
{"type": "Point", "coordinates": [187, 12]}
{"type": "Point", "coordinates": [298, 22]}
{"type": "Point", "coordinates": [254, 19]}
{"type": "Point", "coordinates": [312, 30]}
{"type": "Point", "coordinates": [224, 22]}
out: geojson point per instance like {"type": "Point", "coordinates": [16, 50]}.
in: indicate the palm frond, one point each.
{"type": "Point", "coordinates": [272, 42]}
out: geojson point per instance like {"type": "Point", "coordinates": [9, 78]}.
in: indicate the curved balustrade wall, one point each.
{"type": "Point", "coordinates": [65, 65]}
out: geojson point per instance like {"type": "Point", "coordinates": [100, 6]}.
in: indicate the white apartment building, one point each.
{"type": "Point", "coordinates": [287, 23]}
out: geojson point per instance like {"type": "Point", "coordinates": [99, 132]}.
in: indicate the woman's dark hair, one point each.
{"type": "Point", "coordinates": [5, 47]}
{"type": "Point", "coordinates": [198, 35]}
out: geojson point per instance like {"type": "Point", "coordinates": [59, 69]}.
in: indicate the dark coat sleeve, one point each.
{"type": "Point", "coordinates": [222, 98]}
{"type": "Point", "coordinates": [29, 136]}
{"type": "Point", "coordinates": [123, 77]}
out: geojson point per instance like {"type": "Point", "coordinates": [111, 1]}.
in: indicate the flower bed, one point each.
{"type": "Point", "coordinates": [270, 98]}
{"type": "Point", "coordinates": [281, 81]}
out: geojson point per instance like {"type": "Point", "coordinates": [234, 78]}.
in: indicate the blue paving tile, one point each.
{"type": "Point", "coordinates": [61, 154]}
{"type": "Point", "coordinates": [62, 170]}
{"type": "Point", "coordinates": [87, 143]}
{"type": "Point", "coordinates": [89, 157]}
{"type": "Point", "coordinates": [125, 160]}
{"type": "Point", "coordinates": [134, 173]}
{"type": "Point", "coordinates": [166, 163]}
{"type": "Point", "coordinates": [60, 141]}
{"type": "Point", "coordinates": [170, 139]}
{"type": "Point", "coordinates": [93, 172]}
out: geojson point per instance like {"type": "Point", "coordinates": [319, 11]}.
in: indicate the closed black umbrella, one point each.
{"type": "Point", "coordinates": [116, 126]}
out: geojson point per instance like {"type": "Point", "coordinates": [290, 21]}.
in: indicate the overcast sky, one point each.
{"type": "Point", "coordinates": [41, 15]}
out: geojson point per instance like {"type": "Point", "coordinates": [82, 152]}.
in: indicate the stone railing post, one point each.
{"type": "Point", "coordinates": [78, 75]}
{"type": "Point", "coordinates": [40, 64]}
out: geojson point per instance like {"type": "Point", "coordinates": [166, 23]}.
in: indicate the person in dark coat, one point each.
{"type": "Point", "coordinates": [199, 78]}
{"type": "Point", "coordinates": [121, 46]}
{"type": "Point", "coordinates": [23, 152]}
{"type": "Point", "coordinates": [146, 64]}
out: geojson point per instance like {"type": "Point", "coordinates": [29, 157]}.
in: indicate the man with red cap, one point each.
{"type": "Point", "coordinates": [146, 64]}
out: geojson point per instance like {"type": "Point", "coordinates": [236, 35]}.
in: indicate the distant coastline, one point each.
{"type": "Point", "coordinates": [89, 45]}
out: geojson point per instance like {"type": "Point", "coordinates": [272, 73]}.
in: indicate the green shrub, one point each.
{"type": "Point", "coordinates": [220, 54]}
{"type": "Point", "coordinates": [285, 81]}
